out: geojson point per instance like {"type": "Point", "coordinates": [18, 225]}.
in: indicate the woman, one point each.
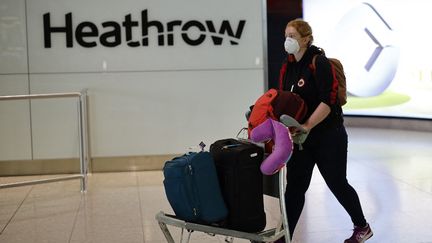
{"type": "Point", "coordinates": [326, 145]}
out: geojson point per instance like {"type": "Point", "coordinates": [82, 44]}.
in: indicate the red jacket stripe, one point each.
{"type": "Point", "coordinates": [335, 84]}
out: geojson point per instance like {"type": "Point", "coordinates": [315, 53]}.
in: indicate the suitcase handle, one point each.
{"type": "Point", "coordinates": [242, 133]}
{"type": "Point", "coordinates": [231, 146]}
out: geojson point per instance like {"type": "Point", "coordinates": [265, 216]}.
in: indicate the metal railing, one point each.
{"type": "Point", "coordinates": [84, 156]}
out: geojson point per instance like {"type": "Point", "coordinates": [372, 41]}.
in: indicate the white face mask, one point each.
{"type": "Point", "coordinates": [291, 45]}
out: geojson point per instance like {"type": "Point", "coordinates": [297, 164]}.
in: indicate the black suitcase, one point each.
{"type": "Point", "coordinates": [241, 181]}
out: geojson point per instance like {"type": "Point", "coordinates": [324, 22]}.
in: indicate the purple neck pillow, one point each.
{"type": "Point", "coordinates": [283, 145]}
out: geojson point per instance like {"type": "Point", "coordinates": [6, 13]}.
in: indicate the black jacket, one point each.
{"type": "Point", "coordinates": [313, 85]}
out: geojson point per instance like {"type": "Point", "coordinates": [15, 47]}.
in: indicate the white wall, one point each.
{"type": "Point", "coordinates": [143, 100]}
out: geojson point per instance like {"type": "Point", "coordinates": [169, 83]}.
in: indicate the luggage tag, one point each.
{"type": "Point", "coordinates": [196, 149]}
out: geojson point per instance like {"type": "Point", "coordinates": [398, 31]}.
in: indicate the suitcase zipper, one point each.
{"type": "Point", "coordinates": [194, 199]}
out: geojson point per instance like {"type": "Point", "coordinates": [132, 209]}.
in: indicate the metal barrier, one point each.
{"type": "Point", "coordinates": [83, 137]}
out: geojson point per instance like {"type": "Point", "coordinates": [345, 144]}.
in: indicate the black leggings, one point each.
{"type": "Point", "coordinates": [328, 150]}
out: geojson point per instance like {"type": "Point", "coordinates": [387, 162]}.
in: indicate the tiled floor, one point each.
{"type": "Point", "coordinates": [391, 171]}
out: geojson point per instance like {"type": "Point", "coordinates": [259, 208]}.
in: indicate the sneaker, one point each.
{"type": "Point", "coordinates": [360, 234]}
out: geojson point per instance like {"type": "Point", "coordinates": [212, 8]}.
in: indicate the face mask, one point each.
{"type": "Point", "coordinates": [291, 45]}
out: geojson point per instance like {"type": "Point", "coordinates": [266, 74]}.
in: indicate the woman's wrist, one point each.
{"type": "Point", "coordinates": [306, 127]}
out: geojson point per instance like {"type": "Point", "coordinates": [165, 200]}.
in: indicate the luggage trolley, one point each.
{"type": "Point", "coordinates": [269, 235]}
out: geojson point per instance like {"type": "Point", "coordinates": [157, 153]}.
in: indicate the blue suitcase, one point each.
{"type": "Point", "coordinates": [192, 188]}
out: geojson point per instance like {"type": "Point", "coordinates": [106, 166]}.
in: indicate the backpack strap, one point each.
{"type": "Point", "coordinates": [313, 62]}
{"type": "Point", "coordinates": [340, 89]}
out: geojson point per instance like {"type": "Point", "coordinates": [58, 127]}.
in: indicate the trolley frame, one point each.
{"type": "Point", "coordinates": [269, 235]}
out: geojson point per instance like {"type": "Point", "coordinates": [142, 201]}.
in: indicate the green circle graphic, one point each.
{"type": "Point", "coordinates": [386, 99]}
